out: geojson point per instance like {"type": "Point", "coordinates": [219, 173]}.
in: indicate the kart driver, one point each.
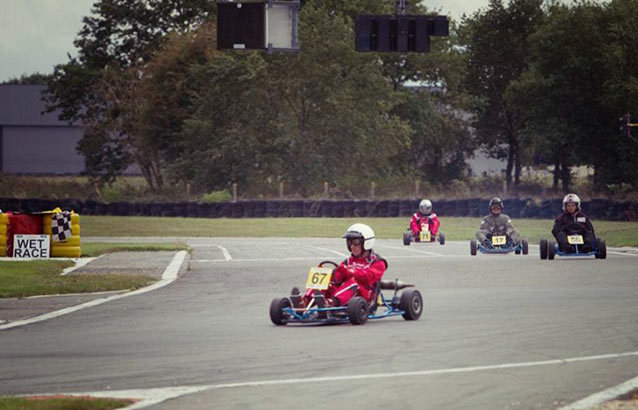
{"type": "Point", "coordinates": [359, 273]}
{"type": "Point", "coordinates": [496, 223]}
{"type": "Point", "coordinates": [425, 216]}
{"type": "Point", "coordinates": [573, 221]}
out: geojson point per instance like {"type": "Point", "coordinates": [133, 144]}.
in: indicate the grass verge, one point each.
{"type": "Point", "coordinates": [30, 278]}
{"type": "Point", "coordinates": [456, 229]}
{"type": "Point", "coordinates": [61, 403]}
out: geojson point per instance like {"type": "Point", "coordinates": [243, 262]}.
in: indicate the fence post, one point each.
{"type": "Point", "coordinates": [325, 189]}
{"type": "Point", "coordinates": [234, 191]}
{"type": "Point", "coordinates": [373, 187]}
{"type": "Point", "coordinates": [281, 190]}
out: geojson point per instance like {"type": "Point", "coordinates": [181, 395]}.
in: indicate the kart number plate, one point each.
{"type": "Point", "coordinates": [319, 278]}
{"type": "Point", "coordinates": [498, 240]}
{"type": "Point", "coordinates": [424, 236]}
{"type": "Point", "coordinates": [575, 240]}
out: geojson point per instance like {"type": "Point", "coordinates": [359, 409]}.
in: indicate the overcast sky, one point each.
{"type": "Point", "coordinates": [35, 35]}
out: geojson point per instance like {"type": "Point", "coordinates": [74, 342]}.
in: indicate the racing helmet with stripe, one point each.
{"type": "Point", "coordinates": [362, 232]}
{"type": "Point", "coordinates": [571, 198]}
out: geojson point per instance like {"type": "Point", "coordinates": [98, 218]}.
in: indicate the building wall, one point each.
{"type": "Point", "coordinates": [41, 150]}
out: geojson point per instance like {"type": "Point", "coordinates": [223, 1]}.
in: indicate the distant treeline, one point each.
{"type": "Point", "coordinates": [516, 208]}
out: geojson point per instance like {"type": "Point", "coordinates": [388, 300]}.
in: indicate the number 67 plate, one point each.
{"type": "Point", "coordinates": [319, 278]}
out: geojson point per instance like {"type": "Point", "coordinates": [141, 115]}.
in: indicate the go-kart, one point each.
{"type": "Point", "coordinates": [424, 236]}
{"type": "Point", "coordinates": [500, 243]}
{"type": "Point", "coordinates": [549, 249]}
{"type": "Point", "coordinates": [357, 311]}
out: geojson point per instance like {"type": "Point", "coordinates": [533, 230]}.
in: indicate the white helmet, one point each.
{"type": "Point", "coordinates": [571, 198]}
{"type": "Point", "coordinates": [425, 206]}
{"type": "Point", "coordinates": [362, 231]}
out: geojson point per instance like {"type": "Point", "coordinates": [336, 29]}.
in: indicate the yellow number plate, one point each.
{"type": "Point", "coordinates": [425, 236]}
{"type": "Point", "coordinates": [319, 278]}
{"type": "Point", "coordinates": [498, 240]}
{"type": "Point", "coordinates": [575, 239]}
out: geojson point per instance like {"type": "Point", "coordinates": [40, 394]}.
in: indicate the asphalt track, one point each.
{"type": "Point", "coordinates": [498, 332]}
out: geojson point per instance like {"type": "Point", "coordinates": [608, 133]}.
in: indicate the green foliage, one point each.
{"type": "Point", "coordinates": [62, 403]}
{"type": "Point", "coordinates": [217, 196]}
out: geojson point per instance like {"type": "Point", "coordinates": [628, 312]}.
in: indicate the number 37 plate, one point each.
{"type": "Point", "coordinates": [319, 278]}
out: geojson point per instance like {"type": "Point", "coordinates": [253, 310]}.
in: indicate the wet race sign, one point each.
{"type": "Point", "coordinates": [31, 246]}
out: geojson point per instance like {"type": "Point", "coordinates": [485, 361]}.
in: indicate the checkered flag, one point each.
{"type": "Point", "coordinates": [61, 226]}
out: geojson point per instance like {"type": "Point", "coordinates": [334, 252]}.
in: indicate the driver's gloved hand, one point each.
{"type": "Point", "coordinates": [486, 243]}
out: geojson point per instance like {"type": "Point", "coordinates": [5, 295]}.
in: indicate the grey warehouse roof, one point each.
{"type": "Point", "coordinates": [22, 105]}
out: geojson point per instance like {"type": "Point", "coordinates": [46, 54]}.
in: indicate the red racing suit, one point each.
{"type": "Point", "coordinates": [357, 275]}
{"type": "Point", "coordinates": [419, 219]}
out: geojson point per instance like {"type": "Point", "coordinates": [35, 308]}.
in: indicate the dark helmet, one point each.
{"type": "Point", "coordinates": [496, 201]}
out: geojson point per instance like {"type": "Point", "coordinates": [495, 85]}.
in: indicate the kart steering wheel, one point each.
{"type": "Point", "coordinates": [328, 262]}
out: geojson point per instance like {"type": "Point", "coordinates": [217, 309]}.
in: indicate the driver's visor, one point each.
{"type": "Point", "coordinates": [354, 241]}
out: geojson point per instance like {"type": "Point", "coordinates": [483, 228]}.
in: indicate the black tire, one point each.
{"type": "Point", "coordinates": [472, 247]}
{"type": "Point", "coordinates": [602, 249]}
{"type": "Point", "coordinates": [525, 246]}
{"type": "Point", "coordinates": [277, 315]}
{"type": "Point", "coordinates": [551, 250]}
{"type": "Point", "coordinates": [357, 310]}
{"type": "Point", "coordinates": [407, 238]}
{"type": "Point", "coordinates": [543, 248]}
{"type": "Point", "coordinates": [412, 304]}
{"type": "Point", "coordinates": [441, 238]}
{"type": "Point", "coordinates": [517, 251]}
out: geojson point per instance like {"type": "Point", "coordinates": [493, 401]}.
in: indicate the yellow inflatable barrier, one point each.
{"type": "Point", "coordinates": [4, 218]}
{"type": "Point", "coordinates": [75, 229]}
{"type": "Point", "coordinates": [3, 230]}
{"type": "Point", "coordinates": [66, 252]}
{"type": "Point", "coordinates": [72, 241]}
{"type": "Point", "coordinates": [3, 241]}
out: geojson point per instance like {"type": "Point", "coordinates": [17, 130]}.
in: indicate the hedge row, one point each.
{"type": "Point", "coordinates": [516, 208]}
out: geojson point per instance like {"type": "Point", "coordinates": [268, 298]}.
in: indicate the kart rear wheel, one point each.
{"type": "Point", "coordinates": [472, 247]}
{"type": "Point", "coordinates": [525, 246]}
{"type": "Point", "coordinates": [357, 310]}
{"type": "Point", "coordinates": [277, 306]}
{"type": "Point", "coordinates": [551, 250]}
{"type": "Point", "coordinates": [602, 250]}
{"type": "Point", "coordinates": [543, 248]}
{"type": "Point", "coordinates": [441, 238]}
{"type": "Point", "coordinates": [412, 304]}
{"type": "Point", "coordinates": [407, 238]}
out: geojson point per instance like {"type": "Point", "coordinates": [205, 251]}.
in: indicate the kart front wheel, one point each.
{"type": "Point", "coordinates": [277, 306]}
{"type": "Point", "coordinates": [602, 250]}
{"type": "Point", "coordinates": [407, 238]}
{"type": "Point", "coordinates": [441, 238]}
{"type": "Point", "coordinates": [525, 246]}
{"type": "Point", "coordinates": [412, 304]}
{"type": "Point", "coordinates": [543, 248]}
{"type": "Point", "coordinates": [551, 250]}
{"type": "Point", "coordinates": [357, 310]}
{"type": "Point", "coordinates": [472, 247]}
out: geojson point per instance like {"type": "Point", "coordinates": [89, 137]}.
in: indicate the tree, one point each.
{"type": "Point", "coordinates": [120, 35]}
{"type": "Point", "coordinates": [497, 43]}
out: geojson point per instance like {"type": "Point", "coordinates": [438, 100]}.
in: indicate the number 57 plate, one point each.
{"type": "Point", "coordinates": [575, 240]}
{"type": "Point", "coordinates": [319, 278]}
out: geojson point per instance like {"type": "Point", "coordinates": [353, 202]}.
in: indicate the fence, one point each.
{"type": "Point", "coordinates": [516, 208]}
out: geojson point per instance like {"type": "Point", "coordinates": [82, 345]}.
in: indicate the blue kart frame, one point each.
{"type": "Point", "coordinates": [357, 311]}
{"type": "Point", "coordinates": [549, 249]}
{"type": "Point", "coordinates": [521, 247]}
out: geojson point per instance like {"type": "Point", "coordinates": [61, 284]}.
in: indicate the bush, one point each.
{"type": "Point", "coordinates": [216, 196]}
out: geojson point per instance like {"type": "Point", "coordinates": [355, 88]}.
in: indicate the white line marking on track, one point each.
{"type": "Point", "coordinates": [623, 253]}
{"type": "Point", "coordinates": [152, 396]}
{"type": "Point", "coordinates": [80, 262]}
{"type": "Point", "coordinates": [406, 248]}
{"type": "Point", "coordinates": [168, 276]}
{"type": "Point", "coordinates": [225, 252]}
{"type": "Point", "coordinates": [603, 396]}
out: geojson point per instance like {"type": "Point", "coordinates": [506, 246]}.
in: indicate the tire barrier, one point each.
{"type": "Point", "coordinates": [601, 209]}
{"type": "Point", "coordinates": [4, 227]}
{"type": "Point", "coordinates": [70, 247]}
